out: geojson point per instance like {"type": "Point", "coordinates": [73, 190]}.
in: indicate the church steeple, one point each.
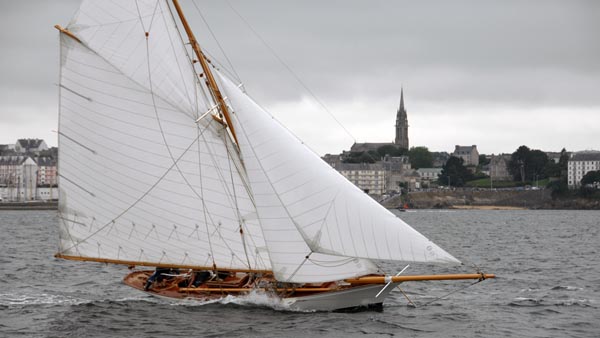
{"type": "Point", "coordinates": [401, 108]}
{"type": "Point", "coordinates": [401, 124]}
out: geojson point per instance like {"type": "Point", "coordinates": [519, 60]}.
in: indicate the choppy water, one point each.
{"type": "Point", "coordinates": [548, 285]}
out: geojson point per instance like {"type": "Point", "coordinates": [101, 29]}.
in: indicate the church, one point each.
{"type": "Point", "coordinates": [401, 140]}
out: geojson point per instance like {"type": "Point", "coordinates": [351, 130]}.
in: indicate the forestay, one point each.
{"type": "Point", "coordinates": [140, 180]}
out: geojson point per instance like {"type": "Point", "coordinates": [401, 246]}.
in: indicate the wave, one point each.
{"type": "Point", "coordinates": [9, 299]}
{"type": "Point", "coordinates": [567, 288]}
{"type": "Point", "coordinates": [530, 302]}
{"type": "Point", "coordinates": [251, 299]}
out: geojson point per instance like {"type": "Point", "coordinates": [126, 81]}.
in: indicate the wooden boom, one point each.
{"type": "Point", "coordinates": [153, 264]}
{"type": "Point", "coordinates": [400, 279]}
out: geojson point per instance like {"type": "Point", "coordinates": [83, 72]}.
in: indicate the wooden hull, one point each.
{"type": "Point", "coordinates": [330, 296]}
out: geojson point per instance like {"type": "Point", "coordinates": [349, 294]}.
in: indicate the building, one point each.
{"type": "Point", "coordinates": [7, 149]}
{"type": "Point", "coordinates": [46, 175]}
{"type": "Point", "coordinates": [440, 158]}
{"type": "Point", "coordinates": [469, 154]}
{"type": "Point", "coordinates": [397, 168]}
{"type": "Point", "coordinates": [429, 175]}
{"type": "Point", "coordinates": [401, 124]}
{"type": "Point", "coordinates": [498, 168]}
{"type": "Point", "coordinates": [18, 178]}
{"type": "Point", "coordinates": [369, 177]}
{"type": "Point", "coordinates": [401, 140]}
{"type": "Point", "coordinates": [581, 163]}
{"type": "Point", "coordinates": [30, 145]}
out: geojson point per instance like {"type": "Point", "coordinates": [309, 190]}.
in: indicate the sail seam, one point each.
{"type": "Point", "coordinates": [107, 61]}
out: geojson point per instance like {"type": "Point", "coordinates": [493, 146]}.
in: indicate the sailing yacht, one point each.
{"type": "Point", "coordinates": [165, 162]}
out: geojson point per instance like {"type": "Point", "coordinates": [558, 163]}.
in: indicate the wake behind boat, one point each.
{"type": "Point", "coordinates": [165, 162]}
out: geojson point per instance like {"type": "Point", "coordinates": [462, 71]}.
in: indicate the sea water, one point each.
{"type": "Point", "coordinates": [548, 285]}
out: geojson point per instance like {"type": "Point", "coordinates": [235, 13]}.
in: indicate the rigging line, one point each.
{"type": "Point", "coordinates": [217, 41]}
{"type": "Point", "coordinates": [237, 208]}
{"type": "Point", "coordinates": [289, 69]}
{"type": "Point", "coordinates": [146, 31]}
{"type": "Point", "coordinates": [197, 81]}
{"type": "Point", "coordinates": [306, 258]}
{"type": "Point", "coordinates": [66, 227]}
{"type": "Point", "coordinates": [451, 292]}
{"type": "Point", "coordinates": [137, 7]}
{"type": "Point", "coordinates": [216, 64]}
{"type": "Point", "coordinates": [195, 106]}
{"type": "Point", "coordinates": [158, 120]}
{"type": "Point", "coordinates": [204, 209]}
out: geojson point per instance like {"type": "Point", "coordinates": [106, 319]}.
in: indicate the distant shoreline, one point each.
{"type": "Point", "coordinates": [486, 207]}
{"type": "Point", "coordinates": [36, 205]}
{"type": "Point", "coordinates": [472, 199]}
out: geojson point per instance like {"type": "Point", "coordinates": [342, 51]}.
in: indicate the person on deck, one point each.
{"type": "Point", "coordinates": [158, 276]}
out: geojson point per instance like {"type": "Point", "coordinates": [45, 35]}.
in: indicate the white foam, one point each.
{"type": "Point", "coordinates": [39, 299]}
{"type": "Point", "coordinates": [253, 299]}
{"type": "Point", "coordinates": [258, 298]}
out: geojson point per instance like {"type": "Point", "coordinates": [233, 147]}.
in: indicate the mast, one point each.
{"type": "Point", "coordinates": [210, 80]}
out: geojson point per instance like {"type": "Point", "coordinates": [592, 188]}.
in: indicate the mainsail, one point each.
{"type": "Point", "coordinates": [140, 180]}
{"type": "Point", "coordinates": [147, 176]}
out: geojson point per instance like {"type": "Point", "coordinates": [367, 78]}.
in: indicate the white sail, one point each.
{"type": "Point", "coordinates": [116, 31]}
{"type": "Point", "coordinates": [140, 180]}
{"type": "Point", "coordinates": [296, 190]}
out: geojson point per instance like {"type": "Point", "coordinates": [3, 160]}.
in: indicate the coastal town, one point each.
{"type": "Point", "coordinates": [388, 172]}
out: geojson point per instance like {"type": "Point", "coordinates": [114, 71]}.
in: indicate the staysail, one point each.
{"type": "Point", "coordinates": [303, 201]}
{"type": "Point", "coordinates": [140, 180]}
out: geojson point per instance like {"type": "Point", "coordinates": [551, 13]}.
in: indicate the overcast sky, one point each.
{"type": "Point", "coordinates": [498, 74]}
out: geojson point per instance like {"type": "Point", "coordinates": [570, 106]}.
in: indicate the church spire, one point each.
{"type": "Point", "coordinates": [401, 124]}
{"type": "Point", "coordinates": [401, 108]}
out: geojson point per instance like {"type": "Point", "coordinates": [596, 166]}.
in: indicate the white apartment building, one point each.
{"type": "Point", "coordinates": [429, 174]}
{"type": "Point", "coordinates": [369, 177]}
{"type": "Point", "coordinates": [580, 164]}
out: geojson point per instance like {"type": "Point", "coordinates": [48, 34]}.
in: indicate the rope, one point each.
{"type": "Point", "coordinates": [289, 69]}
{"type": "Point", "coordinates": [237, 77]}
{"type": "Point", "coordinates": [451, 292]}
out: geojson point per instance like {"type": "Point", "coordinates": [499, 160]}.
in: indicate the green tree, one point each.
{"type": "Point", "coordinates": [590, 183]}
{"type": "Point", "coordinates": [558, 187]}
{"type": "Point", "coordinates": [516, 165]}
{"type": "Point", "coordinates": [420, 157]}
{"type": "Point", "coordinates": [563, 162]}
{"type": "Point", "coordinates": [483, 160]}
{"type": "Point", "coordinates": [591, 177]}
{"type": "Point", "coordinates": [362, 157]}
{"type": "Point", "coordinates": [454, 173]}
{"type": "Point", "coordinates": [528, 165]}
{"type": "Point", "coordinates": [538, 160]}
{"type": "Point", "coordinates": [390, 150]}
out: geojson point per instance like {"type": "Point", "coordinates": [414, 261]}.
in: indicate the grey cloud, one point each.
{"type": "Point", "coordinates": [482, 54]}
